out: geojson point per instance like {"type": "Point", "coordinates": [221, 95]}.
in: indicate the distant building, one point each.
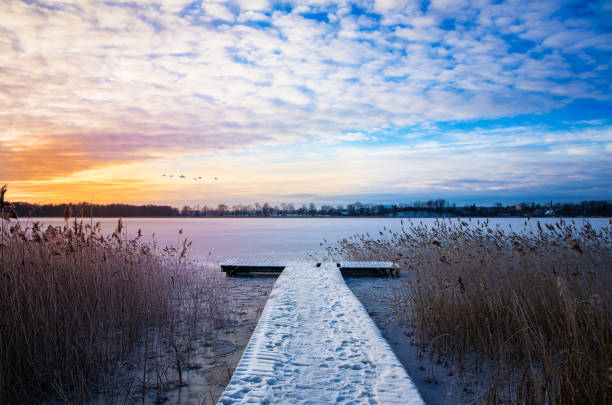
{"type": "Point", "coordinates": [550, 211]}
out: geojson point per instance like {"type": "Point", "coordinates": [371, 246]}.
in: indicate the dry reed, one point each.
{"type": "Point", "coordinates": [531, 311]}
{"type": "Point", "coordinates": [81, 312]}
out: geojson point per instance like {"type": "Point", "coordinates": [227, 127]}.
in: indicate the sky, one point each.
{"type": "Point", "coordinates": [305, 101]}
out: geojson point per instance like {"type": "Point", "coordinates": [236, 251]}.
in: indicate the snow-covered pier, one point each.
{"type": "Point", "coordinates": [316, 344]}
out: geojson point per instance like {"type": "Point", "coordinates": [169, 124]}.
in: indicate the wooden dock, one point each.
{"type": "Point", "coordinates": [316, 344]}
{"type": "Point", "coordinates": [380, 269]}
{"type": "Point", "coordinates": [237, 267]}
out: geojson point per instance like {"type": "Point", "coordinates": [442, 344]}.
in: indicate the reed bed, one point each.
{"type": "Point", "coordinates": [83, 315]}
{"type": "Point", "coordinates": [529, 311]}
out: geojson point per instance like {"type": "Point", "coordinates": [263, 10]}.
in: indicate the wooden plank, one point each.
{"type": "Point", "coordinates": [261, 262]}
{"type": "Point", "coordinates": [232, 270]}
{"type": "Point", "coordinates": [233, 267]}
{"type": "Point", "coordinates": [378, 269]}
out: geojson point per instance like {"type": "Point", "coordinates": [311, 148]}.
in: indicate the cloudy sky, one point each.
{"type": "Point", "coordinates": [299, 101]}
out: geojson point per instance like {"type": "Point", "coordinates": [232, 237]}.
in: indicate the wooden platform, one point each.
{"type": "Point", "coordinates": [239, 267]}
{"type": "Point", "coordinates": [379, 269]}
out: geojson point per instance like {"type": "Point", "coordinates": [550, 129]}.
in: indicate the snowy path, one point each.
{"type": "Point", "coordinates": [316, 344]}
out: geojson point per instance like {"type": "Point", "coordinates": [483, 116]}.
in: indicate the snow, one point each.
{"type": "Point", "coordinates": [366, 265]}
{"type": "Point", "coordinates": [315, 343]}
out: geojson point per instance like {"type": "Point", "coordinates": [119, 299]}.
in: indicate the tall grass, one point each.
{"type": "Point", "coordinates": [79, 311]}
{"type": "Point", "coordinates": [530, 310]}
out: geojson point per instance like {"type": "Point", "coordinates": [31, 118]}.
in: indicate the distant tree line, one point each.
{"type": "Point", "coordinates": [430, 208]}
{"type": "Point", "coordinates": [96, 210]}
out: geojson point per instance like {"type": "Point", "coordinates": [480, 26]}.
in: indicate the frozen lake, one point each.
{"type": "Point", "coordinates": [284, 238]}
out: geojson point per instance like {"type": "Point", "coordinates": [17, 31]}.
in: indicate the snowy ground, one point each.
{"type": "Point", "coordinates": [437, 382]}
{"type": "Point", "coordinates": [315, 343]}
{"type": "Point", "coordinates": [215, 363]}
{"type": "Point", "coordinates": [211, 362]}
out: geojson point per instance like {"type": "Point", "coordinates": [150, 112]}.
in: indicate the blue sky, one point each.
{"type": "Point", "coordinates": [331, 102]}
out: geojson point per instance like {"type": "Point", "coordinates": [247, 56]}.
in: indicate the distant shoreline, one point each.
{"type": "Point", "coordinates": [320, 216]}
{"type": "Point", "coordinates": [429, 209]}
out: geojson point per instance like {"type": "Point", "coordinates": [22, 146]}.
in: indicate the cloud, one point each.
{"type": "Point", "coordinates": [61, 155]}
{"type": "Point", "coordinates": [100, 191]}
{"type": "Point", "coordinates": [253, 4]}
{"type": "Point", "coordinates": [218, 11]}
{"type": "Point", "coordinates": [250, 15]}
{"type": "Point", "coordinates": [88, 85]}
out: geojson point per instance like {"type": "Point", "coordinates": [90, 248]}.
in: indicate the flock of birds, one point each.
{"type": "Point", "coordinates": [182, 176]}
